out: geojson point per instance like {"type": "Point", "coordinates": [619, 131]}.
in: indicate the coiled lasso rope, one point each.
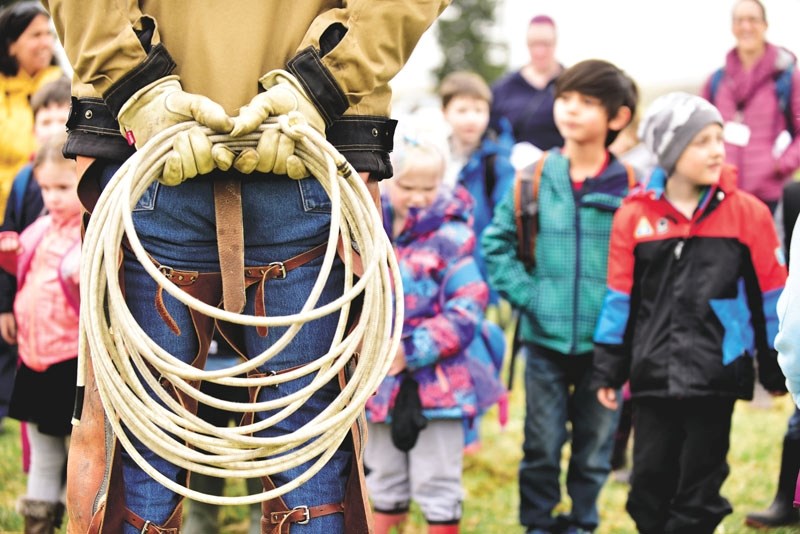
{"type": "Point", "coordinates": [121, 351]}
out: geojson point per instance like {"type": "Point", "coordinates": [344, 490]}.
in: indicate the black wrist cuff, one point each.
{"type": "Point", "coordinates": [366, 142]}
{"type": "Point", "coordinates": [157, 65]}
{"type": "Point", "coordinates": [94, 132]}
{"type": "Point", "coordinates": [319, 84]}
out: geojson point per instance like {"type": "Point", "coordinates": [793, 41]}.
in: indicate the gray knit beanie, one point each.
{"type": "Point", "coordinates": [670, 124]}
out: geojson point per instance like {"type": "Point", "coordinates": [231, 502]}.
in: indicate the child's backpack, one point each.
{"type": "Point", "coordinates": [783, 91]}
{"type": "Point", "coordinates": [19, 187]}
{"type": "Point", "coordinates": [526, 207]}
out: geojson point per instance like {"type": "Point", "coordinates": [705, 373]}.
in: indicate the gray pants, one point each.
{"type": "Point", "coordinates": [48, 461]}
{"type": "Point", "coordinates": [430, 473]}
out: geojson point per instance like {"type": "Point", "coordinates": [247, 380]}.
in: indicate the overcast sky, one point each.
{"type": "Point", "coordinates": [658, 42]}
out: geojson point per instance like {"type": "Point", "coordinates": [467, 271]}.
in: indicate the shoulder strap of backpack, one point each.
{"type": "Point", "coordinates": [631, 175]}
{"type": "Point", "coordinates": [18, 188]}
{"type": "Point", "coordinates": [526, 196]}
{"type": "Point", "coordinates": [783, 90]}
{"type": "Point", "coordinates": [490, 174]}
{"type": "Point", "coordinates": [716, 79]}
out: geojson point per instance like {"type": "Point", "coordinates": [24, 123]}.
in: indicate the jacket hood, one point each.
{"type": "Point", "coordinates": [450, 205]}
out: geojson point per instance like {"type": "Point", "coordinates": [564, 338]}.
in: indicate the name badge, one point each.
{"type": "Point", "coordinates": [736, 133]}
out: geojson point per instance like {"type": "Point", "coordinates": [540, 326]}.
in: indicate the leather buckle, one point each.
{"type": "Point", "coordinates": [306, 514]}
{"type": "Point", "coordinates": [145, 527]}
{"type": "Point", "coordinates": [166, 271]}
{"type": "Point", "coordinates": [282, 268]}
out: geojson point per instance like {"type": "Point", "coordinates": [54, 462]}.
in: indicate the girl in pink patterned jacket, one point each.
{"type": "Point", "coordinates": [45, 258]}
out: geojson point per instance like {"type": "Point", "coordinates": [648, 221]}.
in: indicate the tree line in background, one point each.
{"type": "Point", "coordinates": [464, 33]}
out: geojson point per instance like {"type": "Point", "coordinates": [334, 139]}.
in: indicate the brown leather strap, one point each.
{"type": "Point", "coordinates": [276, 270]}
{"type": "Point", "coordinates": [146, 527]}
{"type": "Point", "coordinates": [230, 241]}
{"type": "Point", "coordinates": [278, 518]}
{"type": "Point", "coordinates": [303, 514]}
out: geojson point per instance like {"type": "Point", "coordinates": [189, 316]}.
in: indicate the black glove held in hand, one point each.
{"type": "Point", "coordinates": [769, 373]}
{"type": "Point", "coordinates": [407, 418]}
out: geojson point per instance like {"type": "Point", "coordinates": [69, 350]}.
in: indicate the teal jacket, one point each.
{"type": "Point", "coordinates": [560, 297]}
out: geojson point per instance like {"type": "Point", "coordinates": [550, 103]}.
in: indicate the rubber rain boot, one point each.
{"type": "Point", "coordinates": [781, 512]}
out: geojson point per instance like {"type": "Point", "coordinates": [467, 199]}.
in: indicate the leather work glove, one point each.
{"type": "Point", "coordinates": [164, 103]}
{"type": "Point", "coordinates": [275, 151]}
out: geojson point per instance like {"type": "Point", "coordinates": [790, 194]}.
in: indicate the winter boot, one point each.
{"type": "Point", "coordinates": [384, 523]}
{"type": "Point", "coordinates": [781, 511]}
{"type": "Point", "coordinates": [40, 516]}
{"type": "Point", "coordinates": [450, 528]}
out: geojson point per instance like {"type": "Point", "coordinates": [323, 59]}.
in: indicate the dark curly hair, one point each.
{"type": "Point", "coordinates": [14, 20]}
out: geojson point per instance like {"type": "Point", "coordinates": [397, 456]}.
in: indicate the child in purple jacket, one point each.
{"type": "Point", "coordinates": [441, 374]}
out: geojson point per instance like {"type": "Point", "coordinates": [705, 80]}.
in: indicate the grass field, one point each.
{"type": "Point", "coordinates": [490, 476]}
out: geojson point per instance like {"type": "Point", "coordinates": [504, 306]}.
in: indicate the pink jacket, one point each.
{"type": "Point", "coordinates": [47, 301]}
{"type": "Point", "coordinates": [759, 172]}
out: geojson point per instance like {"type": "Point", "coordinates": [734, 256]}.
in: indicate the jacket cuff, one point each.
{"type": "Point", "coordinates": [157, 65]}
{"type": "Point", "coordinates": [319, 84]}
{"type": "Point", "coordinates": [610, 366]}
{"type": "Point", "coordinates": [365, 141]}
{"type": "Point", "coordinates": [94, 132]}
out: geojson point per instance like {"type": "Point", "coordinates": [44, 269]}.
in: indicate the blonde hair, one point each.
{"type": "Point", "coordinates": [412, 148]}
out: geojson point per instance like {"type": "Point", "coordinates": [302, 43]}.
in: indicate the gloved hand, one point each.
{"type": "Point", "coordinates": [769, 373]}
{"type": "Point", "coordinates": [164, 103]}
{"type": "Point", "coordinates": [407, 418]}
{"type": "Point", "coordinates": [275, 150]}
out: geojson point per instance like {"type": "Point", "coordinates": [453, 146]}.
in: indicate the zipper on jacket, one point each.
{"type": "Point", "coordinates": [679, 249]}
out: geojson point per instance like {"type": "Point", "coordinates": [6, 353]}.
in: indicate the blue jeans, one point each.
{"type": "Point", "coordinates": [282, 218]}
{"type": "Point", "coordinates": [557, 392]}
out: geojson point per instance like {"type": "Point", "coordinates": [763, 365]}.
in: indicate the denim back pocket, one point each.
{"type": "Point", "coordinates": [147, 202]}
{"type": "Point", "coordinates": [314, 197]}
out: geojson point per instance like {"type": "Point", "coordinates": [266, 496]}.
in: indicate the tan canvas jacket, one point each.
{"type": "Point", "coordinates": [343, 52]}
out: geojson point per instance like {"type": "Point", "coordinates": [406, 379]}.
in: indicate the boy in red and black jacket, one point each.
{"type": "Point", "coordinates": [695, 270]}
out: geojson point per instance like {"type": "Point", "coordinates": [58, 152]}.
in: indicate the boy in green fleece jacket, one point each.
{"type": "Point", "coordinates": [559, 298]}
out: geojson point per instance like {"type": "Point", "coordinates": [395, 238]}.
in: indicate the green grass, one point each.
{"type": "Point", "coordinates": [490, 476]}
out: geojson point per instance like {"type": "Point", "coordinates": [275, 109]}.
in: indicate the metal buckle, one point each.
{"type": "Point", "coordinates": [281, 267]}
{"type": "Point", "coordinates": [306, 514]}
{"type": "Point", "coordinates": [145, 527]}
{"type": "Point", "coordinates": [166, 271]}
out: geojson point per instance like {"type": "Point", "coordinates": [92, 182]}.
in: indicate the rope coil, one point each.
{"type": "Point", "coordinates": [121, 351]}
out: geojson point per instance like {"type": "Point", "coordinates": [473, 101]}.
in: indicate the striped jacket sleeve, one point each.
{"type": "Point", "coordinates": [612, 352]}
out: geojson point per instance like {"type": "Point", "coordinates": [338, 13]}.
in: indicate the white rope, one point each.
{"type": "Point", "coordinates": [121, 351]}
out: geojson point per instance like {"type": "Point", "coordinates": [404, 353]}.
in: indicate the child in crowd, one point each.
{"type": "Point", "coordinates": [479, 161]}
{"type": "Point", "coordinates": [50, 106]}
{"type": "Point", "coordinates": [559, 298]}
{"type": "Point", "coordinates": [45, 258]}
{"type": "Point", "coordinates": [695, 270]}
{"type": "Point", "coordinates": [431, 381]}
{"type": "Point", "coordinates": [479, 157]}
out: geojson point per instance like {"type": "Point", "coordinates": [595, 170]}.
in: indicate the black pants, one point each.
{"type": "Point", "coordinates": [8, 370]}
{"type": "Point", "coordinates": [679, 464]}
